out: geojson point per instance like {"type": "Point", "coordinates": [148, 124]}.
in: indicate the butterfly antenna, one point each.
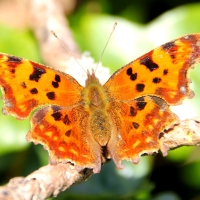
{"type": "Point", "coordinates": [114, 26]}
{"type": "Point", "coordinates": [54, 34]}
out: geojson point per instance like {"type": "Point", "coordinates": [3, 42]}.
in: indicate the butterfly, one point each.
{"type": "Point", "coordinates": [120, 120]}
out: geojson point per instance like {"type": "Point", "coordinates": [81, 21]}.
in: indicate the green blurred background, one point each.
{"type": "Point", "coordinates": [142, 25]}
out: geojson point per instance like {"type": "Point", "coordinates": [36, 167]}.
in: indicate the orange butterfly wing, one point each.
{"type": "Point", "coordinates": [64, 133]}
{"type": "Point", "coordinates": [162, 72]}
{"type": "Point", "coordinates": [27, 85]}
{"type": "Point", "coordinates": [140, 94]}
{"type": "Point", "coordinates": [62, 125]}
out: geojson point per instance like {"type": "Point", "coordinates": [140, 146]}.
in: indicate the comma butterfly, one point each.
{"type": "Point", "coordinates": [121, 119]}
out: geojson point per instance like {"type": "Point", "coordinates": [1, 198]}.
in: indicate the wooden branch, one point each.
{"type": "Point", "coordinates": [43, 183]}
{"type": "Point", "coordinates": [187, 133]}
{"type": "Point", "coordinates": [44, 17]}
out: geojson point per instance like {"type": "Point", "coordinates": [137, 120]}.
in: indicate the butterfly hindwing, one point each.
{"type": "Point", "coordinates": [65, 134]}
{"type": "Point", "coordinates": [139, 124]}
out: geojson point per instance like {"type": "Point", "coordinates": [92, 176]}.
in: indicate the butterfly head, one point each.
{"type": "Point", "coordinates": [91, 79]}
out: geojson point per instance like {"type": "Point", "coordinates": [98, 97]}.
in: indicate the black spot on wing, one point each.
{"type": "Point", "coordinates": [51, 95]}
{"type": "Point", "coordinates": [57, 78]}
{"type": "Point", "coordinates": [148, 62]}
{"type": "Point", "coordinates": [135, 125]}
{"type": "Point", "coordinates": [156, 80]}
{"type": "Point", "coordinates": [66, 120]}
{"type": "Point", "coordinates": [34, 91]}
{"type": "Point", "coordinates": [165, 71]}
{"type": "Point", "coordinates": [129, 71]}
{"type": "Point", "coordinates": [55, 84]}
{"type": "Point", "coordinates": [133, 111]}
{"type": "Point", "coordinates": [141, 105]}
{"type": "Point", "coordinates": [14, 59]}
{"type": "Point", "coordinates": [57, 116]}
{"type": "Point", "coordinates": [168, 45]}
{"type": "Point", "coordinates": [140, 87]}
{"type": "Point", "coordinates": [37, 73]}
{"type": "Point", "coordinates": [133, 76]}
{"type": "Point", "coordinates": [68, 133]}
{"type": "Point", "coordinates": [171, 49]}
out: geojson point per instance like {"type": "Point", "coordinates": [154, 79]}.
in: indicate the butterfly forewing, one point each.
{"type": "Point", "coordinates": [27, 85]}
{"type": "Point", "coordinates": [162, 72]}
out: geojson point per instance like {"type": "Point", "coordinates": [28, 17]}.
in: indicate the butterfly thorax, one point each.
{"type": "Point", "coordinates": [96, 103]}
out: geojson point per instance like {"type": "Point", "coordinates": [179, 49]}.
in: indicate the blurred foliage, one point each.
{"type": "Point", "coordinates": [174, 177]}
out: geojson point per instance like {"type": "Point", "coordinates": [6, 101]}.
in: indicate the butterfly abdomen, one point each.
{"type": "Point", "coordinates": [100, 127]}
